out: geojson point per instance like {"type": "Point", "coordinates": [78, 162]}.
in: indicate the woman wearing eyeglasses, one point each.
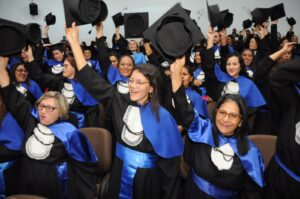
{"type": "Point", "coordinates": [148, 143]}
{"type": "Point", "coordinates": [82, 105]}
{"type": "Point", "coordinates": [57, 159]}
{"type": "Point", "coordinates": [223, 162]}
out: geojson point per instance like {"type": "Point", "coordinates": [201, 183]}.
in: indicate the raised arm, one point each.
{"type": "Point", "coordinates": [96, 86]}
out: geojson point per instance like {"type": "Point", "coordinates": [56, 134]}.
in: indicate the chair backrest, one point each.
{"type": "Point", "coordinates": [100, 138]}
{"type": "Point", "coordinates": [210, 107]}
{"type": "Point", "coordinates": [25, 196]}
{"type": "Point", "coordinates": [266, 144]}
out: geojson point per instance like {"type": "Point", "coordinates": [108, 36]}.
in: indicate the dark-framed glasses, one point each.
{"type": "Point", "coordinates": [232, 116]}
{"type": "Point", "coordinates": [48, 108]}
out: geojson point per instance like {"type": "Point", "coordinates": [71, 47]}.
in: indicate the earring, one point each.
{"type": "Point", "coordinates": [150, 95]}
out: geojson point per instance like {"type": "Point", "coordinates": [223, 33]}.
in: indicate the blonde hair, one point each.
{"type": "Point", "coordinates": [63, 106]}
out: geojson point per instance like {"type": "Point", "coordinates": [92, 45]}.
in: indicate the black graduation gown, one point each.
{"type": "Point", "coordinates": [278, 183]}
{"type": "Point", "coordinates": [236, 178]}
{"type": "Point", "coordinates": [39, 177]}
{"type": "Point", "coordinates": [56, 83]}
{"type": "Point", "coordinates": [160, 182]}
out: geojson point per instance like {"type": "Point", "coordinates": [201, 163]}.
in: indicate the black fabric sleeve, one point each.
{"type": "Point", "coordinates": [44, 80]}
{"type": "Point", "coordinates": [263, 69]}
{"type": "Point", "coordinates": [97, 87]}
{"type": "Point", "coordinates": [17, 105]}
{"type": "Point", "coordinates": [103, 56]}
{"type": "Point", "coordinates": [250, 189]}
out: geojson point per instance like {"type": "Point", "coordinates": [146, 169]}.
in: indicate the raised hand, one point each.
{"type": "Point", "coordinates": [4, 78]}
{"type": "Point", "coordinates": [72, 34]}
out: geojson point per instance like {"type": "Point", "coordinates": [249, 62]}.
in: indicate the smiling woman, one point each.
{"type": "Point", "coordinates": [52, 149]}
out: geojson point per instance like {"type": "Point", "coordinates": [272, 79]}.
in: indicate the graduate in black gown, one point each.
{"type": "Point", "coordinates": [57, 159]}
{"type": "Point", "coordinates": [149, 144]}
{"type": "Point", "coordinates": [283, 171]}
{"type": "Point", "coordinates": [223, 162]}
{"type": "Point", "coordinates": [82, 106]}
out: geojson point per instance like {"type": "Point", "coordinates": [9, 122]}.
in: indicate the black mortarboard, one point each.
{"type": "Point", "coordinates": [247, 24]}
{"type": "Point", "coordinates": [12, 40]}
{"type": "Point", "coordinates": [135, 24]}
{"type": "Point", "coordinates": [277, 12]}
{"type": "Point", "coordinates": [32, 31]}
{"type": "Point", "coordinates": [214, 15]}
{"type": "Point", "coordinates": [188, 11]}
{"type": "Point", "coordinates": [103, 14]}
{"type": "Point", "coordinates": [174, 33]}
{"type": "Point", "coordinates": [50, 19]}
{"type": "Point", "coordinates": [291, 21]}
{"type": "Point", "coordinates": [227, 19]}
{"type": "Point", "coordinates": [58, 46]}
{"type": "Point", "coordinates": [118, 19]}
{"type": "Point", "coordinates": [82, 11]}
{"type": "Point", "coordinates": [260, 15]}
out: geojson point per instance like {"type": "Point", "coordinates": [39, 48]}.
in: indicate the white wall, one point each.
{"type": "Point", "coordinates": [18, 10]}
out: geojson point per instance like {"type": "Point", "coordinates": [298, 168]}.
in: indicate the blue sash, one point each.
{"type": "Point", "coordinates": [34, 89]}
{"type": "Point", "coordinates": [212, 190]}
{"type": "Point", "coordinates": [248, 89]}
{"type": "Point", "coordinates": [113, 75]}
{"type": "Point", "coordinates": [163, 134]}
{"type": "Point", "coordinates": [132, 160]}
{"type": "Point", "coordinates": [11, 134]}
{"type": "Point", "coordinates": [3, 166]}
{"type": "Point", "coordinates": [198, 103]}
{"type": "Point", "coordinates": [96, 66]}
{"type": "Point", "coordinates": [82, 95]}
{"type": "Point", "coordinates": [201, 132]}
{"type": "Point", "coordinates": [139, 58]}
{"type": "Point", "coordinates": [52, 62]}
{"type": "Point", "coordinates": [75, 142]}
{"type": "Point", "coordinates": [62, 173]}
{"type": "Point", "coordinates": [80, 119]}
{"type": "Point", "coordinates": [286, 170]}
{"type": "Point", "coordinates": [201, 88]}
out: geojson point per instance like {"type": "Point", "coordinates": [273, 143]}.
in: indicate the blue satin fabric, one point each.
{"type": "Point", "coordinates": [198, 103]}
{"type": "Point", "coordinates": [286, 170]}
{"type": "Point", "coordinates": [96, 66]}
{"type": "Point", "coordinates": [248, 89]}
{"type": "Point", "coordinates": [139, 58]}
{"type": "Point", "coordinates": [3, 166]}
{"type": "Point", "coordinates": [212, 190]}
{"type": "Point", "coordinates": [132, 160]}
{"type": "Point", "coordinates": [201, 131]}
{"type": "Point", "coordinates": [201, 88]}
{"type": "Point", "coordinates": [62, 173]}
{"type": "Point", "coordinates": [82, 95]}
{"type": "Point", "coordinates": [80, 119]}
{"type": "Point", "coordinates": [34, 89]}
{"type": "Point", "coordinates": [298, 88]}
{"type": "Point", "coordinates": [52, 62]}
{"type": "Point", "coordinates": [11, 134]}
{"type": "Point", "coordinates": [163, 134]}
{"type": "Point", "coordinates": [113, 75]}
{"type": "Point", "coordinates": [75, 142]}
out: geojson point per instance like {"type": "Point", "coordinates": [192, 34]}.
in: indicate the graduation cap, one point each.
{"type": "Point", "coordinates": [260, 15]}
{"type": "Point", "coordinates": [188, 11]}
{"type": "Point", "coordinates": [84, 11]}
{"type": "Point", "coordinates": [103, 13]}
{"type": "Point", "coordinates": [118, 19]}
{"type": "Point", "coordinates": [50, 19]}
{"type": "Point", "coordinates": [58, 46]}
{"type": "Point", "coordinates": [135, 24]}
{"type": "Point", "coordinates": [174, 33]}
{"type": "Point", "coordinates": [291, 21]}
{"type": "Point", "coordinates": [214, 15]}
{"type": "Point", "coordinates": [247, 24]}
{"type": "Point", "coordinates": [227, 19]}
{"type": "Point", "coordinates": [277, 12]}
{"type": "Point", "coordinates": [12, 40]}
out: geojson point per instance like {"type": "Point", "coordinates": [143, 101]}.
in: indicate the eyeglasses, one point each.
{"type": "Point", "coordinates": [137, 82]}
{"type": "Point", "coordinates": [21, 71]}
{"type": "Point", "coordinates": [231, 116]}
{"type": "Point", "coordinates": [48, 109]}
